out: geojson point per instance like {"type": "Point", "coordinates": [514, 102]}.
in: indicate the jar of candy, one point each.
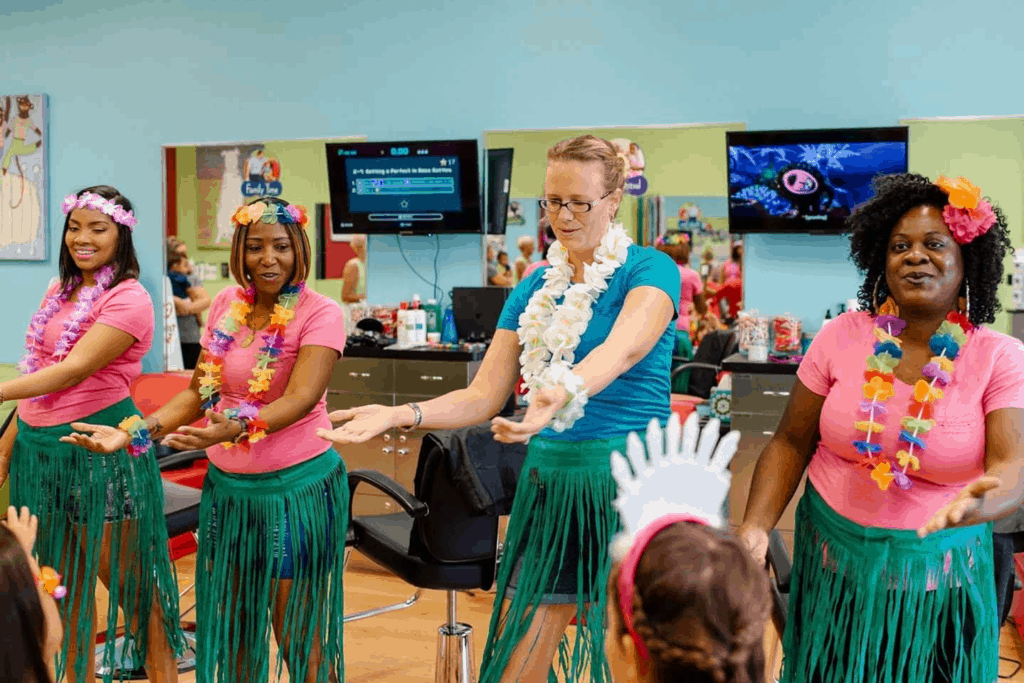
{"type": "Point", "coordinates": [786, 335]}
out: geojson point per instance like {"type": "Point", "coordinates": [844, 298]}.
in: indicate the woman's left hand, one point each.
{"type": "Point", "coordinates": [961, 510]}
{"type": "Point", "coordinates": [545, 404]}
{"type": "Point", "coordinates": [219, 430]}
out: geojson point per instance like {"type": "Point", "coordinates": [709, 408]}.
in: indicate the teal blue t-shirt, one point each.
{"type": "Point", "coordinates": [642, 392]}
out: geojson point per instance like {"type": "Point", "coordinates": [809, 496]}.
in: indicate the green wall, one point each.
{"type": "Point", "coordinates": [991, 153]}
{"type": "Point", "coordinates": [680, 160]}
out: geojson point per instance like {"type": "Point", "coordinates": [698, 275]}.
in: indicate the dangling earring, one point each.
{"type": "Point", "coordinates": [888, 307]}
{"type": "Point", "coordinates": [964, 302]}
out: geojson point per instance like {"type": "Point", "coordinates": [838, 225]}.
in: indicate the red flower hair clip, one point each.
{"type": "Point", "coordinates": [967, 215]}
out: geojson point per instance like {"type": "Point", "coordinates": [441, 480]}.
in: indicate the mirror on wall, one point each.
{"type": "Point", "coordinates": [204, 184]}
{"type": "Point", "coordinates": [677, 184]}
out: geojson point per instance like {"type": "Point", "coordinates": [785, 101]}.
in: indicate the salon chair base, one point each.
{"type": "Point", "coordinates": [455, 660]}
{"type": "Point", "coordinates": [119, 667]}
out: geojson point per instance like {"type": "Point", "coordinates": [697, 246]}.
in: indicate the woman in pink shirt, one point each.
{"type": "Point", "coordinates": [98, 516]}
{"type": "Point", "coordinates": [677, 245]}
{"type": "Point", "coordinates": [275, 501]}
{"type": "Point", "coordinates": [907, 416]}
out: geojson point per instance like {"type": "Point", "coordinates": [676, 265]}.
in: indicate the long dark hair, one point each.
{"type": "Point", "coordinates": [125, 262]}
{"type": "Point", "coordinates": [21, 648]}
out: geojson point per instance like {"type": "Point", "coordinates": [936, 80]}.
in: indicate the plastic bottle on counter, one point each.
{"type": "Point", "coordinates": [448, 333]}
{"type": "Point", "coordinates": [433, 312]}
{"type": "Point", "coordinates": [419, 321]}
{"type": "Point", "coordinates": [402, 338]}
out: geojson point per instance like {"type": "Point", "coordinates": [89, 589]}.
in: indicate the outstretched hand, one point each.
{"type": "Point", "coordinates": [962, 510]}
{"type": "Point", "coordinates": [24, 525]}
{"type": "Point", "coordinates": [358, 425]}
{"type": "Point", "coordinates": [219, 430]}
{"type": "Point", "coordinates": [545, 404]}
{"type": "Point", "coordinates": [100, 438]}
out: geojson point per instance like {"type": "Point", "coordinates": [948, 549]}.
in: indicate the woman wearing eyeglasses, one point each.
{"type": "Point", "coordinates": [592, 336]}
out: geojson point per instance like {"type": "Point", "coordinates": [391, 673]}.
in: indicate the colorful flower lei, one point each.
{"type": "Point", "coordinates": [270, 213]}
{"type": "Point", "coordinates": [33, 358]}
{"type": "Point", "coordinates": [49, 579]}
{"type": "Point", "coordinates": [967, 215]}
{"type": "Point", "coordinates": [946, 343]}
{"type": "Point", "coordinates": [136, 428]}
{"type": "Point", "coordinates": [262, 372]}
{"type": "Point", "coordinates": [88, 200]}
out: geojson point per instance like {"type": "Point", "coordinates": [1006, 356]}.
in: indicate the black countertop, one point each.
{"type": "Point", "coordinates": [739, 363]}
{"type": "Point", "coordinates": [424, 353]}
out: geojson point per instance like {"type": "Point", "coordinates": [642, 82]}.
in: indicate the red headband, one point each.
{"type": "Point", "coordinates": [627, 573]}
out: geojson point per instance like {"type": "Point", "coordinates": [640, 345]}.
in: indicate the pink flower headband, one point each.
{"type": "Point", "coordinates": [627, 574]}
{"type": "Point", "coordinates": [88, 200]}
{"type": "Point", "coordinates": [967, 215]}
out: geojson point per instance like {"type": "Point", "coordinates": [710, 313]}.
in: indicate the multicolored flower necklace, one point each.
{"type": "Point", "coordinates": [72, 329]}
{"type": "Point", "coordinates": [262, 372]}
{"type": "Point", "coordinates": [946, 344]}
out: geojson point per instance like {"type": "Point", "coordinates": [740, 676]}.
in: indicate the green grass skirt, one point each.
{"type": "Point", "coordinates": [861, 611]}
{"type": "Point", "coordinates": [76, 494]}
{"type": "Point", "coordinates": [565, 489]}
{"type": "Point", "coordinates": [241, 546]}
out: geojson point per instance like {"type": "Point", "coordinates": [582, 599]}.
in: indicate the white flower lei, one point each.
{"type": "Point", "coordinates": [550, 333]}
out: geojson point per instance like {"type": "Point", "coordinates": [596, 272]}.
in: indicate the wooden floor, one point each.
{"type": "Point", "coordinates": [400, 647]}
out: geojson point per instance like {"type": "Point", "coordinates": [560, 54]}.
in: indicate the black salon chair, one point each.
{"type": "Point", "coordinates": [781, 569]}
{"type": "Point", "coordinates": [437, 542]}
{"type": "Point", "coordinates": [181, 513]}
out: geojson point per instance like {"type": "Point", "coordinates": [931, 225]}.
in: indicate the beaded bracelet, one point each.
{"type": "Point", "coordinates": [136, 428]}
{"type": "Point", "coordinates": [50, 581]}
{"type": "Point", "coordinates": [252, 430]}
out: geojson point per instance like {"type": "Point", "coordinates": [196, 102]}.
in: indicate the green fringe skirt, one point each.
{"type": "Point", "coordinates": [76, 495]}
{"type": "Point", "coordinates": [257, 530]}
{"type": "Point", "coordinates": [873, 605]}
{"type": "Point", "coordinates": [556, 551]}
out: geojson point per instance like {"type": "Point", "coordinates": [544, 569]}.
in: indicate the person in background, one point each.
{"type": "Point", "coordinates": [707, 264]}
{"type": "Point", "coordinates": [28, 608]}
{"type": "Point", "coordinates": [353, 290]}
{"type": "Point", "coordinates": [907, 416]}
{"type": "Point", "coordinates": [527, 245]}
{"type": "Point", "coordinates": [503, 265]}
{"type": "Point", "coordinates": [677, 246]}
{"type": "Point", "coordinates": [190, 300]}
{"type": "Point", "coordinates": [733, 268]}
{"type": "Point", "coordinates": [548, 238]}
{"type": "Point", "coordinates": [495, 276]}
{"type": "Point", "coordinates": [592, 336]}
{"type": "Point", "coordinates": [101, 518]}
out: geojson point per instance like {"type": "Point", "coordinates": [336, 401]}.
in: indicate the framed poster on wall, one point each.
{"type": "Point", "coordinates": [23, 184]}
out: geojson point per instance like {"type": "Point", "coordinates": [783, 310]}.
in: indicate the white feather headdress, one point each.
{"type": "Point", "coordinates": [682, 472]}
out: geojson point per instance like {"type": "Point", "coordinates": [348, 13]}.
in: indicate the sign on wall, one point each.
{"type": "Point", "coordinates": [23, 184]}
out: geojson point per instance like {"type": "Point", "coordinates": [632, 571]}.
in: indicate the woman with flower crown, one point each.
{"type": "Point", "coordinates": [274, 511]}
{"type": "Point", "coordinates": [592, 335]}
{"type": "Point", "coordinates": [99, 517]}
{"type": "Point", "coordinates": [907, 416]}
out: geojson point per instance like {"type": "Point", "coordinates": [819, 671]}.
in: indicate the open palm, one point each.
{"type": "Point", "coordinates": [358, 424]}
{"type": "Point", "coordinates": [98, 439]}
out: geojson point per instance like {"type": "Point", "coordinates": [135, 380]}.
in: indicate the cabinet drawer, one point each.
{"type": "Point", "coordinates": [742, 470]}
{"type": "Point", "coordinates": [347, 400]}
{"type": "Point", "coordinates": [371, 375]}
{"type": "Point", "coordinates": [750, 425]}
{"type": "Point", "coordinates": [765, 394]}
{"type": "Point", "coordinates": [376, 454]}
{"type": "Point", "coordinates": [407, 455]}
{"type": "Point", "coordinates": [430, 378]}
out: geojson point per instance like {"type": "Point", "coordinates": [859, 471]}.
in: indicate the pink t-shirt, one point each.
{"type": "Point", "coordinates": [318, 321]}
{"type": "Point", "coordinates": [689, 287]}
{"type": "Point", "coordinates": [988, 375]}
{"type": "Point", "coordinates": [126, 307]}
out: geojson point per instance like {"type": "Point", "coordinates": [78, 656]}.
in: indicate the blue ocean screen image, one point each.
{"type": "Point", "coordinates": [808, 181]}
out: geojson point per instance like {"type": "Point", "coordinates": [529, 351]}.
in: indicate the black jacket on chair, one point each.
{"type": "Point", "coordinates": [484, 471]}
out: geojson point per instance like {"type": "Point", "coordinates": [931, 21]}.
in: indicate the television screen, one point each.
{"type": "Point", "coordinates": [404, 187]}
{"type": "Point", "coordinates": [499, 180]}
{"type": "Point", "coordinates": [807, 181]}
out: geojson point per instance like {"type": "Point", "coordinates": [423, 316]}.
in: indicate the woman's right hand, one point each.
{"type": "Point", "coordinates": [359, 424]}
{"type": "Point", "coordinates": [755, 539]}
{"type": "Point", "coordinates": [103, 439]}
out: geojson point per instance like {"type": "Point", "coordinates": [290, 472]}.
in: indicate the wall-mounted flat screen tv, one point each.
{"type": "Point", "coordinates": [807, 180]}
{"type": "Point", "coordinates": [415, 188]}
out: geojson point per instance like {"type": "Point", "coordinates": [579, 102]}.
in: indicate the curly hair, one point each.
{"type": "Point", "coordinates": [872, 223]}
{"type": "Point", "coordinates": [700, 605]}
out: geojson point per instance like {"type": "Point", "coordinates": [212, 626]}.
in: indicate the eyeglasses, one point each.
{"type": "Point", "coordinates": [553, 206]}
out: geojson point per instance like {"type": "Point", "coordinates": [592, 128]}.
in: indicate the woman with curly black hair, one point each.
{"type": "Point", "coordinates": [907, 417]}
